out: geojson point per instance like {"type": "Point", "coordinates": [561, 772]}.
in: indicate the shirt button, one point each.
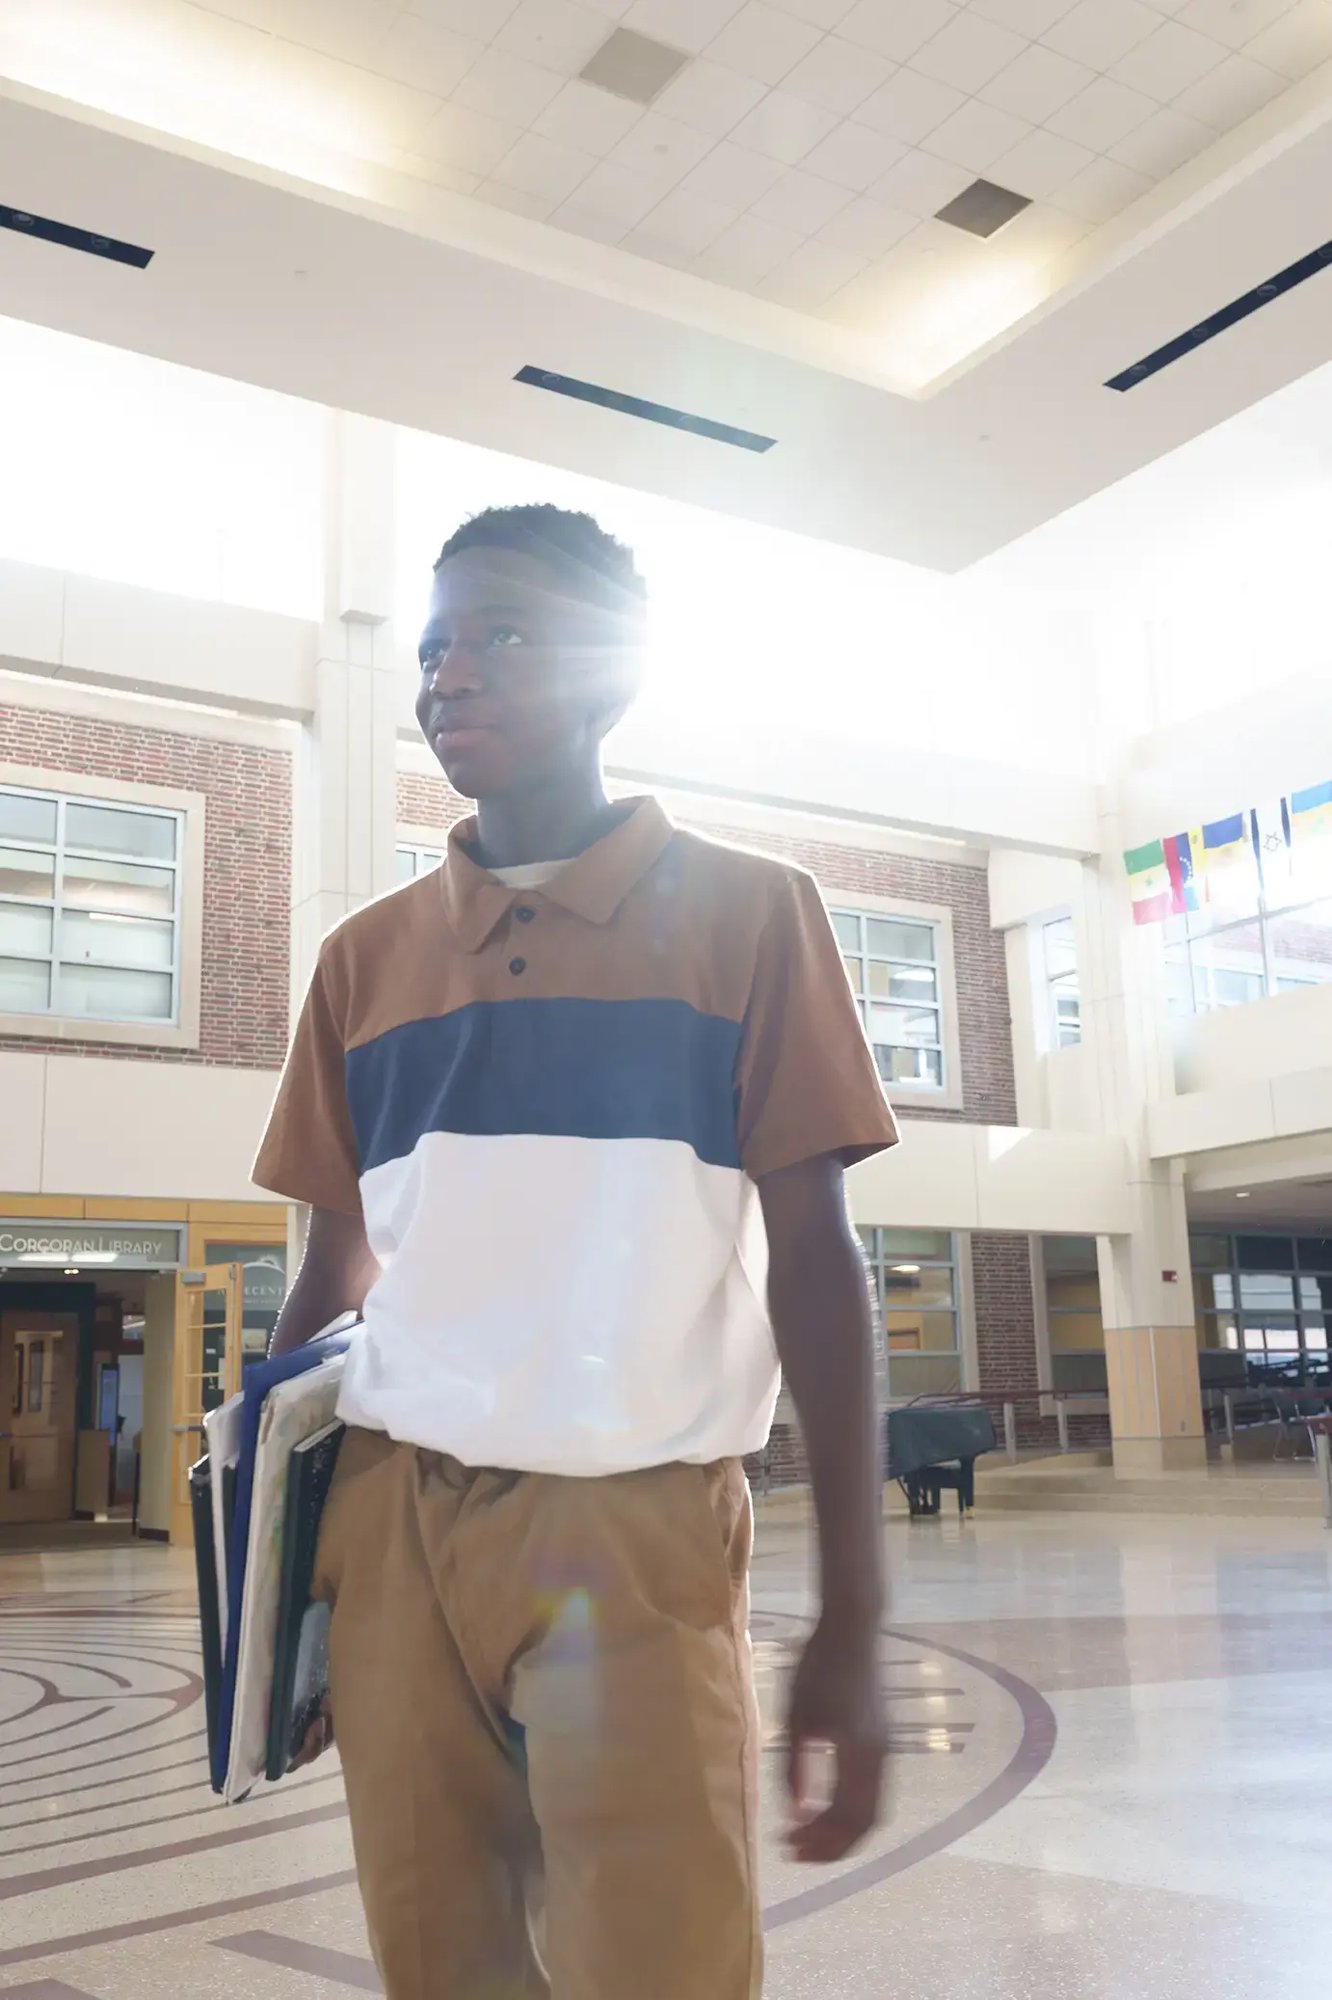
{"type": "Point", "coordinates": [524, 914]}
{"type": "Point", "coordinates": [517, 966]}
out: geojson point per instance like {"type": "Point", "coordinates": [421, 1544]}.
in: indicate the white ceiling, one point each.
{"type": "Point", "coordinates": [272, 152]}
{"type": "Point", "coordinates": [799, 155]}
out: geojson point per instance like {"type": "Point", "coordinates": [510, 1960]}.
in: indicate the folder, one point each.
{"type": "Point", "coordinates": [300, 1653]}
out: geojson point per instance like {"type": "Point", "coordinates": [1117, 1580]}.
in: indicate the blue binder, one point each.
{"type": "Point", "coordinates": [265, 1375]}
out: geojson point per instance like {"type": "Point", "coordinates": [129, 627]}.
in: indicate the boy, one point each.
{"type": "Point", "coordinates": [535, 1101]}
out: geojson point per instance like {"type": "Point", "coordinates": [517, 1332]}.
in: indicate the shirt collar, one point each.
{"type": "Point", "coordinates": [592, 886]}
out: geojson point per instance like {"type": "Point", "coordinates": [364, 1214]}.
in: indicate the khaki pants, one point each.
{"type": "Point", "coordinates": [542, 1691]}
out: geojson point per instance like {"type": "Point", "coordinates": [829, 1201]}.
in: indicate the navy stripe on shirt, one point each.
{"type": "Point", "coordinates": [587, 1069]}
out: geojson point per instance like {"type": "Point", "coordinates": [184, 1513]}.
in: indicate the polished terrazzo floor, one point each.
{"type": "Point", "coordinates": [1112, 1781]}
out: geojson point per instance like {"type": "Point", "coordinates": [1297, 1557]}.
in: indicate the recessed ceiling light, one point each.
{"type": "Point", "coordinates": [1243, 1194]}
{"type": "Point", "coordinates": [983, 208]}
{"type": "Point", "coordinates": [906, 1270]}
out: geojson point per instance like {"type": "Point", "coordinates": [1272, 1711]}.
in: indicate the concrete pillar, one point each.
{"type": "Point", "coordinates": [345, 793]}
{"type": "Point", "coordinates": [1146, 1283]}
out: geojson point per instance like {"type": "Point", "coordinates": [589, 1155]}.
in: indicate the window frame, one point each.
{"type": "Point", "coordinates": [189, 810]}
{"type": "Point", "coordinates": [948, 1095]}
{"type": "Point", "coordinates": [1068, 980]}
{"type": "Point", "coordinates": [426, 853]}
{"type": "Point", "coordinates": [872, 1236]}
{"type": "Point", "coordinates": [1189, 943]}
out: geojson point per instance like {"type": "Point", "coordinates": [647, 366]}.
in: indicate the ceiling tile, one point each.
{"type": "Point", "coordinates": [507, 87]}
{"type": "Point", "coordinates": [537, 207]}
{"type": "Point", "coordinates": [760, 41]}
{"type": "Point", "coordinates": [827, 14]}
{"type": "Point", "coordinates": [784, 128]}
{"type": "Point", "coordinates": [976, 135]}
{"type": "Point", "coordinates": [610, 201]}
{"type": "Point", "coordinates": [855, 156]}
{"type": "Point", "coordinates": [662, 148]}
{"type": "Point", "coordinates": [746, 252]}
{"type": "Point", "coordinates": [1043, 234]}
{"type": "Point", "coordinates": [588, 119]}
{"type": "Point", "coordinates": [339, 104]}
{"type": "Point", "coordinates": [921, 185]}
{"type": "Point", "coordinates": [1103, 114]}
{"type": "Point", "coordinates": [557, 34]}
{"type": "Point", "coordinates": [1163, 143]}
{"type": "Point", "coordinates": [968, 52]}
{"type": "Point", "coordinates": [1099, 32]}
{"type": "Point", "coordinates": [1168, 61]}
{"type": "Point", "coordinates": [539, 166]}
{"type": "Point", "coordinates": [1101, 190]}
{"type": "Point", "coordinates": [1036, 84]}
{"type": "Point", "coordinates": [732, 175]}
{"type": "Point", "coordinates": [838, 74]}
{"type": "Point", "coordinates": [801, 201]}
{"type": "Point", "coordinates": [680, 226]}
{"type": "Point", "coordinates": [1230, 93]}
{"type": "Point", "coordinates": [710, 97]}
{"type": "Point", "coordinates": [481, 19]}
{"type": "Point", "coordinates": [416, 51]}
{"type": "Point", "coordinates": [908, 107]}
{"type": "Point", "coordinates": [1025, 17]}
{"type": "Point", "coordinates": [1298, 42]}
{"type": "Point", "coordinates": [436, 173]}
{"type": "Point", "coordinates": [896, 28]}
{"type": "Point", "coordinates": [811, 275]}
{"type": "Point", "coordinates": [351, 30]}
{"type": "Point", "coordinates": [870, 228]}
{"type": "Point", "coordinates": [1040, 164]}
{"type": "Point", "coordinates": [467, 140]}
{"type": "Point", "coordinates": [614, 10]}
{"type": "Point", "coordinates": [1233, 22]}
{"type": "Point", "coordinates": [682, 24]}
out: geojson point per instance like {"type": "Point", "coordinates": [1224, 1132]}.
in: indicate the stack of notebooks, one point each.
{"type": "Point", "coordinates": [257, 1495]}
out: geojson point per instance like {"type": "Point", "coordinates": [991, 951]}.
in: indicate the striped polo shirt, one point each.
{"type": "Point", "coordinates": [551, 1107]}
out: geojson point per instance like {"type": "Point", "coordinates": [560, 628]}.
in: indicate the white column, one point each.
{"type": "Point", "coordinates": [345, 790]}
{"type": "Point", "coordinates": [1146, 1283]}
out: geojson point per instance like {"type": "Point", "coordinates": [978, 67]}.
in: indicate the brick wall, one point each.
{"type": "Point", "coordinates": [247, 872]}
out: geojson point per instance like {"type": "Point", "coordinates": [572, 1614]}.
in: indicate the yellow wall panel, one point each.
{"type": "Point", "coordinates": [45, 1207]}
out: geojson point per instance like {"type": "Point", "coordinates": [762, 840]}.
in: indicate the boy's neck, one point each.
{"type": "Point", "coordinates": [553, 821]}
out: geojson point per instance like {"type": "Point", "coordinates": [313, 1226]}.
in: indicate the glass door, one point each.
{"type": "Point", "coordinates": [39, 1364]}
{"type": "Point", "coordinates": [206, 1372]}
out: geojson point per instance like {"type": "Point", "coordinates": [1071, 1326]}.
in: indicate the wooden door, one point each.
{"type": "Point", "coordinates": [39, 1367]}
{"type": "Point", "coordinates": [205, 1372]}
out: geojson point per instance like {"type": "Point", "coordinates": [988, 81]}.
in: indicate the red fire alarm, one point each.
{"type": "Point", "coordinates": [1170, 1277]}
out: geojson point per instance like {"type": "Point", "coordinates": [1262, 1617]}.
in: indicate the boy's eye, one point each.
{"type": "Point", "coordinates": [505, 635]}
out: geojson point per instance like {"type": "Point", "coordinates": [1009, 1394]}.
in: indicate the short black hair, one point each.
{"type": "Point", "coordinates": [576, 543]}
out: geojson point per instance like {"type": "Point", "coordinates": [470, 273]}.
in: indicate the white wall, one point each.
{"type": "Point", "coordinates": [91, 1125]}
{"type": "Point", "coordinates": [955, 1176]}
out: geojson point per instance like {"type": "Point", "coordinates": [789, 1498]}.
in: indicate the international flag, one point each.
{"type": "Point", "coordinates": [1150, 887]}
{"type": "Point", "coordinates": [1311, 811]}
{"type": "Point", "coordinates": [1269, 831]}
{"type": "Point", "coordinates": [1179, 866]}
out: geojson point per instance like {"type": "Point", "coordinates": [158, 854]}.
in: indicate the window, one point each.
{"type": "Point", "coordinates": [1269, 1299]}
{"type": "Point", "coordinates": [893, 964]}
{"type": "Point", "coordinates": [1073, 1314]}
{"type": "Point", "coordinates": [915, 1279]}
{"type": "Point", "coordinates": [90, 899]}
{"type": "Point", "coordinates": [411, 861]}
{"type": "Point", "coordinates": [1061, 981]}
{"type": "Point", "coordinates": [1257, 938]}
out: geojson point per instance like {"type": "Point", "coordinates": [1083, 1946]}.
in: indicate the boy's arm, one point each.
{"type": "Point", "coordinates": [820, 1307]}
{"type": "Point", "coordinates": [337, 1270]}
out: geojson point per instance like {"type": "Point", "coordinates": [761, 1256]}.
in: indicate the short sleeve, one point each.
{"type": "Point", "coordinates": [309, 1150]}
{"type": "Point", "coordinates": [807, 1081]}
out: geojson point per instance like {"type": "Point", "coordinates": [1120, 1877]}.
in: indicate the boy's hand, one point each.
{"type": "Point", "coordinates": [836, 1700]}
{"type": "Point", "coordinates": [318, 1738]}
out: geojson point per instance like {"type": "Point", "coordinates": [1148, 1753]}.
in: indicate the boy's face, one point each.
{"type": "Point", "coordinates": [518, 673]}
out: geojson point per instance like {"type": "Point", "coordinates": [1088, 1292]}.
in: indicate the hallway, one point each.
{"type": "Point", "coordinates": [1108, 1781]}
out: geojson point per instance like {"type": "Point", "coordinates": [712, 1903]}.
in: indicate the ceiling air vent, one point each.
{"type": "Point", "coordinates": [633, 66]}
{"type": "Point", "coordinates": [24, 223]}
{"type": "Point", "coordinates": [983, 208]}
{"type": "Point", "coordinates": [1228, 316]}
{"type": "Point", "coordinates": [636, 406]}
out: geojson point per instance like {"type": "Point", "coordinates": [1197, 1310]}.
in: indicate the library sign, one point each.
{"type": "Point", "coordinates": [76, 1245]}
